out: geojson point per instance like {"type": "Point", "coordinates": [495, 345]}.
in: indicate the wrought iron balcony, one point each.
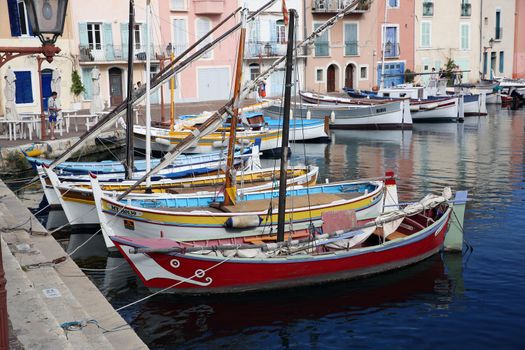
{"type": "Point", "coordinates": [498, 33]}
{"type": "Point", "coordinates": [428, 9]}
{"type": "Point", "coordinates": [351, 48]}
{"type": "Point", "coordinates": [333, 6]}
{"type": "Point", "coordinates": [209, 7]}
{"type": "Point", "coordinates": [267, 49]}
{"type": "Point", "coordinates": [466, 10]}
{"type": "Point", "coordinates": [392, 50]}
{"type": "Point", "coordinates": [321, 48]}
{"type": "Point", "coordinates": [108, 53]}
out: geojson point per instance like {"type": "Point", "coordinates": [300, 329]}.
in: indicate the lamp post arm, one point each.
{"type": "Point", "coordinates": [7, 53]}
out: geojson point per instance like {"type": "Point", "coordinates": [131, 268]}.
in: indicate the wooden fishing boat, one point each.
{"type": "Point", "coordinates": [190, 219]}
{"type": "Point", "coordinates": [391, 241]}
{"type": "Point", "coordinates": [423, 110]}
{"type": "Point", "coordinates": [363, 114]}
{"type": "Point", "coordinates": [78, 203]}
{"type": "Point", "coordinates": [116, 167]}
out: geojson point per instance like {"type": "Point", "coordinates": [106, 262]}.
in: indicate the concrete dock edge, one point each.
{"type": "Point", "coordinates": [41, 294]}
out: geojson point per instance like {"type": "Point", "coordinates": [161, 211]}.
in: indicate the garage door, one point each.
{"type": "Point", "coordinates": [276, 84]}
{"type": "Point", "coordinates": [214, 84]}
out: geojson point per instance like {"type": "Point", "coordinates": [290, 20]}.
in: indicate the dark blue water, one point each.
{"type": "Point", "coordinates": [450, 301]}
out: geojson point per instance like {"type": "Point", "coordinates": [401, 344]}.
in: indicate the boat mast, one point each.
{"type": "Point", "coordinates": [382, 84]}
{"type": "Point", "coordinates": [230, 192]}
{"type": "Point", "coordinates": [148, 90]}
{"type": "Point", "coordinates": [286, 126]}
{"type": "Point", "coordinates": [129, 105]}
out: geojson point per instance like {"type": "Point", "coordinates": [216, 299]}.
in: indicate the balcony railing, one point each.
{"type": "Point", "coordinates": [103, 53]}
{"type": "Point", "coordinates": [498, 35]}
{"type": "Point", "coordinates": [392, 50]}
{"type": "Point", "coordinates": [466, 10]}
{"type": "Point", "coordinates": [332, 6]}
{"type": "Point", "coordinates": [428, 9]}
{"type": "Point", "coordinates": [265, 49]}
{"type": "Point", "coordinates": [351, 48]}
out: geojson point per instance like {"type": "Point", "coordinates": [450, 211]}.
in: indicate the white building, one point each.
{"type": "Point", "coordinates": [266, 40]}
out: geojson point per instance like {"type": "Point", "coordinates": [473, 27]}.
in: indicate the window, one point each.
{"type": "Point", "coordinates": [499, 31]}
{"type": "Point", "coordinates": [203, 27]}
{"type": "Point", "coordinates": [178, 5]}
{"type": "Point", "coordinates": [281, 32]}
{"type": "Point", "coordinates": [322, 48]}
{"type": "Point", "coordinates": [18, 19]}
{"type": "Point", "coordinates": [319, 75]}
{"type": "Point", "coordinates": [179, 35]}
{"type": "Point", "coordinates": [425, 34]}
{"type": "Point", "coordinates": [485, 63]}
{"type": "Point", "coordinates": [465, 8]}
{"type": "Point", "coordinates": [363, 73]}
{"type": "Point", "coordinates": [428, 8]}
{"type": "Point", "coordinates": [391, 44]}
{"type": "Point", "coordinates": [94, 36]}
{"type": "Point", "coordinates": [464, 36]}
{"type": "Point", "coordinates": [24, 87]}
{"type": "Point", "coordinates": [255, 71]}
{"type": "Point", "coordinates": [393, 3]}
{"type": "Point", "coordinates": [501, 62]}
{"type": "Point", "coordinates": [136, 31]}
{"type": "Point", "coordinates": [22, 15]}
{"type": "Point", "coordinates": [351, 44]}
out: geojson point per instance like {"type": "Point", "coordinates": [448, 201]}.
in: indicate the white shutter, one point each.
{"type": "Point", "coordinates": [203, 27]}
{"type": "Point", "coordinates": [180, 41]}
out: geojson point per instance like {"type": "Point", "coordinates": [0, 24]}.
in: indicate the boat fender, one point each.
{"type": "Point", "coordinates": [162, 141]}
{"type": "Point", "coordinates": [220, 144]}
{"type": "Point", "coordinates": [245, 221]}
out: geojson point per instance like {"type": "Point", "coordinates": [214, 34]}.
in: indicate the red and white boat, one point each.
{"type": "Point", "coordinates": [391, 241]}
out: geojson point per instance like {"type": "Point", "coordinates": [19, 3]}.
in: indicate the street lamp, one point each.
{"type": "Point", "coordinates": [45, 17]}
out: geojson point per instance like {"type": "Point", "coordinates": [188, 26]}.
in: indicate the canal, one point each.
{"type": "Point", "coordinates": [453, 301]}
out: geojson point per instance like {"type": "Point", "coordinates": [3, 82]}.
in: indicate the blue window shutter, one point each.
{"type": "Point", "coordinates": [501, 62]}
{"type": "Point", "coordinates": [24, 88]}
{"type": "Point", "coordinates": [124, 36]}
{"type": "Point", "coordinates": [82, 34]}
{"type": "Point", "coordinates": [108, 42]}
{"type": "Point", "coordinates": [14, 19]}
{"type": "Point", "coordinates": [87, 82]}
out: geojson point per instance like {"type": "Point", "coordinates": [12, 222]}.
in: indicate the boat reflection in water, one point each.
{"type": "Point", "coordinates": [186, 321]}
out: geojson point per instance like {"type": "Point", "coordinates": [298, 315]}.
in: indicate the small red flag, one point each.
{"type": "Point", "coordinates": [285, 12]}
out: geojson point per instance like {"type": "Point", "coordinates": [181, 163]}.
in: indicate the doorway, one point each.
{"type": "Point", "coordinates": [47, 75]}
{"type": "Point", "coordinates": [330, 78]}
{"type": "Point", "coordinates": [349, 76]}
{"type": "Point", "coordinates": [115, 86]}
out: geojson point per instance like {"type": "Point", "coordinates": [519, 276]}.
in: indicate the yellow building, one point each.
{"type": "Point", "coordinates": [15, 31]}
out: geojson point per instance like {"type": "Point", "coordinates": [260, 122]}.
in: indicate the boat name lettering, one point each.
{"type": "Point", "coordinates": [380, 110]}
{"type": "Point", "coordinates": [125, 211]}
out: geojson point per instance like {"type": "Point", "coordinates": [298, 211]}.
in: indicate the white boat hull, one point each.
{"type": "Point", "coordinates": [444, 112]}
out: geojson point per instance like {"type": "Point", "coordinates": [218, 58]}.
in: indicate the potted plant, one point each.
{"type": "Point", "coordinates": [76, 88]}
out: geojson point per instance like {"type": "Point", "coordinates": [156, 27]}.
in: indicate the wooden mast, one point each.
{"type": "Point", "coordinates": [230, 192]}
{"type": "Point", "coordinates": [286, 126]}
{"type": "Point", "coordinates": [129, 101]}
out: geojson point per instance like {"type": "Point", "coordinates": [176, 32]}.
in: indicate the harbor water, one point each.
{"type": "Point", "coordinates": [449, 301]}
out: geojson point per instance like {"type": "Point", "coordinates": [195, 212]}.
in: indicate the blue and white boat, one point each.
{"type": "Point", "coordinates": [194, 162]}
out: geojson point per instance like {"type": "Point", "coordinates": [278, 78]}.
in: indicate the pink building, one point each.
{"type": "Point", "coordinates": [518, 70]}
{"type": "Point", "coordinates": [182, 22]}
{"type": "Point", "coordinates": [350, 53]}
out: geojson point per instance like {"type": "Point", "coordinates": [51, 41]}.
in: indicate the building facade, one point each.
{"type": "Point", "coordinates": [101, 41]}
{"type": "Point", "coordinates": [350, 54]}
{"type": "Point", "coordinates": [518, 68]}
{"type": "Point", "coordinates": [266, 41]}
{"type": "Point", "coordinates": [446, 31]}
{"type": "Point", "coordinates": [497, 38]}
{"type": "Point", "coordinates": [182, 23]}
{"type": "Point", "coordinates": [15, 31]}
